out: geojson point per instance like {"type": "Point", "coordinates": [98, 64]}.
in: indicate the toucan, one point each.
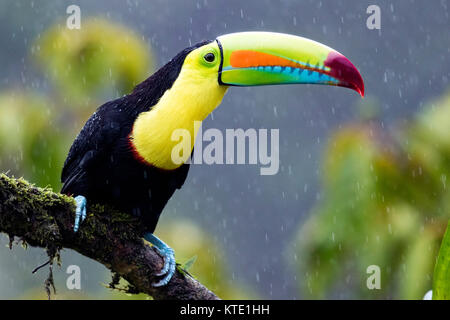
{"type": "Point", "coordinates": [123, 155]}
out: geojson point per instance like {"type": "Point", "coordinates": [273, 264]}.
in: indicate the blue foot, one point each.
{"type": "Point", "coordinates": [169, 259]}
{"type": "Point", "coordinates": [80, 213]}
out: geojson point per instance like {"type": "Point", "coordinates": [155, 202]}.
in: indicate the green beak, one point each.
{"type": "Point", "coordinates": [264, 58]}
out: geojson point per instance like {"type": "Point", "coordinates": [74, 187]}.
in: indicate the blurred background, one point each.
{"type": "Point", "coordinates": [362, 181]}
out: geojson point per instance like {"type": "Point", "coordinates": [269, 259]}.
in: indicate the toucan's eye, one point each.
{"type": "Point", "coordinates": [209, 57]}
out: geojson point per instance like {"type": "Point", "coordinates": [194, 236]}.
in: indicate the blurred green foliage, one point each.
{"type": "Point", "coordinates": [31, 142]}
{"type": "Point", "coordinates": [385, 202]}
{"type": "Point", "coordinates": [99, 58]}
{"type": "Point", "coordinates": [36, 130]}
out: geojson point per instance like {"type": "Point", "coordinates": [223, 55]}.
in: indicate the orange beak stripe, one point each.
{"type": "Point", "coordinates": [249, 58]}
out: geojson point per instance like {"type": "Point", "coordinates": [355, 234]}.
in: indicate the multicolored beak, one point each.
{"type": "Point", "coordinates": [264, 58]}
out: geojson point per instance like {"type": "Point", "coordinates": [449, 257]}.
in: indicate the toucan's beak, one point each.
{"type": "Point", "coordinates": [262, 58]}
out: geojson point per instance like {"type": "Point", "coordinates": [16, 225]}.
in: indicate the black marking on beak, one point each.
{"type": "Point", "coordinates": [221, 63]}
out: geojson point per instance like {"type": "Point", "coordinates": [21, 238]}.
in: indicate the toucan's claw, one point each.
{"type": "Point", "coordinates": [80, 213]}
{"type": "Point", "coordinates": [168, 255]}
{"type": "Point", "coordinates": [169, 265]}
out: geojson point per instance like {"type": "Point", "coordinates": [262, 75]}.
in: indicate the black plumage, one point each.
{"type": "Point", "coordinates": [102, 165]}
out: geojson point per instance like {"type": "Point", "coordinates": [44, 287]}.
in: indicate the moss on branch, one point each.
{"type": "Point", "coordinates": [45, 219]}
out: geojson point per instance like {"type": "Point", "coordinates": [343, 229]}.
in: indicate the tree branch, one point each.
{"type": "Point", "coordinates": [45, 219]}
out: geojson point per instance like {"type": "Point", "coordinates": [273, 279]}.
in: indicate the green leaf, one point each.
{"type": "Point", "coordinates": [188, 264]}
{"type": "Point", "coordinates": [441, 278]}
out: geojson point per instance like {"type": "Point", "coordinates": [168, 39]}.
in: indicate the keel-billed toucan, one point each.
{"type": "Point", "coordinates": [122, 156]}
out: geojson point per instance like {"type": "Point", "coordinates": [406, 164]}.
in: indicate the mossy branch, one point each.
{"type": "Point", "coordinates": [45, 219]}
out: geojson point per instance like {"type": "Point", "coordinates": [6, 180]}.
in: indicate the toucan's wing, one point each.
{"type": "Point", "coordinates": [90, 146]}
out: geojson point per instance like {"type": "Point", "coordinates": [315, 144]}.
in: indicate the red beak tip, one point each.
{"type": "Point", "coordinates": [343, 70]}
{"type": "Point", "coordinates": [361, 91]}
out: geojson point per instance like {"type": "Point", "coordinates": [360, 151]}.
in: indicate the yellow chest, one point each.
{"type": "Point", "coordinates": [189, 100]}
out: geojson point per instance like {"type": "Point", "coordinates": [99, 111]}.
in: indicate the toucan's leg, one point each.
{"type": "Point", "coordinates": [80, 213]}
{"type": "Point", "coordinates": [169, 259]}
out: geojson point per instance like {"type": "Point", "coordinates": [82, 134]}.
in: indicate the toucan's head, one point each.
{"type": "Point", "coordinates": [266, 58]}
{"type": "Point", "coordinates": [192, 84]}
